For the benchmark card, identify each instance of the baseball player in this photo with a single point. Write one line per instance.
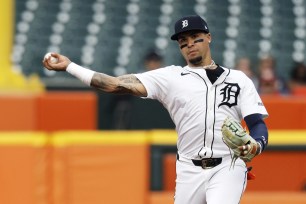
(205, 102)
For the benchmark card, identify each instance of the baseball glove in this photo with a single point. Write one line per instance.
(237, 139)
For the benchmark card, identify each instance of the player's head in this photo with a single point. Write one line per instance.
(189, 23)
(193, 37)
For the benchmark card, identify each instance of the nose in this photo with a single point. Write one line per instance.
(190, 42)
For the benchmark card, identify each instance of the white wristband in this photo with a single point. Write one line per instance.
(83, 74)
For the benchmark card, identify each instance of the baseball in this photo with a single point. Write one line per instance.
(53, 60)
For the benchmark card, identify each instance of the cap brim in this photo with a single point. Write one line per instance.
(174, 37)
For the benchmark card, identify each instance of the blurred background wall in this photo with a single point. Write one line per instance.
(62, 142)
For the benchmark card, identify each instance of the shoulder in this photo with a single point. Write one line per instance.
(171, 68)
(163, 71)
(236, 74)
(161, 74)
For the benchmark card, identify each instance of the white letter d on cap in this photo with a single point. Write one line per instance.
(184, 23)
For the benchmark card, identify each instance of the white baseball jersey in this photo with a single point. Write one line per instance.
(198, 108)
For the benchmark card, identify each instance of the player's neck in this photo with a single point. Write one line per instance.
(212, 65)
(205, 64)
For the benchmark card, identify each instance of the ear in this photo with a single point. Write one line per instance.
(208, 35)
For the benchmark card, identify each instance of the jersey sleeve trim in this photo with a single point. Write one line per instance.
(140, 78)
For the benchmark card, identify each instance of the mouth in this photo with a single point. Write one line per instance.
(192, 52)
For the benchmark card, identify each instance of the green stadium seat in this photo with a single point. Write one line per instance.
(144, 39)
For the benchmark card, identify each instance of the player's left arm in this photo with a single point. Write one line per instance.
(259, 131)
(254, 112)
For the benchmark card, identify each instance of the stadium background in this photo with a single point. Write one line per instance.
(57, 139)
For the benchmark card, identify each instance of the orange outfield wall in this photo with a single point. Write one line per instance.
(18, 112)
(53, 111)
(74, 167)
(49, 111)
(285, 112)
(100, 167)
(66, 111)
(23, 167)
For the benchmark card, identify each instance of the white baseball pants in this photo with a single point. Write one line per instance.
(219, 185)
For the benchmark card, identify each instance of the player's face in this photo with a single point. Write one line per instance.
(194, 47)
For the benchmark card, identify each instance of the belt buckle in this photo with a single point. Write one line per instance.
(206, 162)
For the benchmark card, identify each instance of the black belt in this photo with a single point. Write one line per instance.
(207, 163)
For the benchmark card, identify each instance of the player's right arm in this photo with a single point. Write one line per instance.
(125, 84)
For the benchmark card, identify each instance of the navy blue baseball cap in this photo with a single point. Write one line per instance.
(189, 23)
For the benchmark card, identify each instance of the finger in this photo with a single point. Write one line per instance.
(56, 55)
(46, 60)
(60, 66)
(248, 147)
(244, 150)
(46, 65)
(245, 147)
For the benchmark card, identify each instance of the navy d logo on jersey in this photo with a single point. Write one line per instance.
(230, 94)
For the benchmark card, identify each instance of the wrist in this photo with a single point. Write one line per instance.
(69, 63)
(259, 148)
(83, 74)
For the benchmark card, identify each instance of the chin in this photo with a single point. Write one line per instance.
(195, 60)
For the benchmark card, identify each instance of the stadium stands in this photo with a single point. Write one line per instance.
(112, 36)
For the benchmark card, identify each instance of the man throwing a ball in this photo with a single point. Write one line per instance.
(206, 102)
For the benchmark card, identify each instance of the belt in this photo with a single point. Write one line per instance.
(206, 163)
